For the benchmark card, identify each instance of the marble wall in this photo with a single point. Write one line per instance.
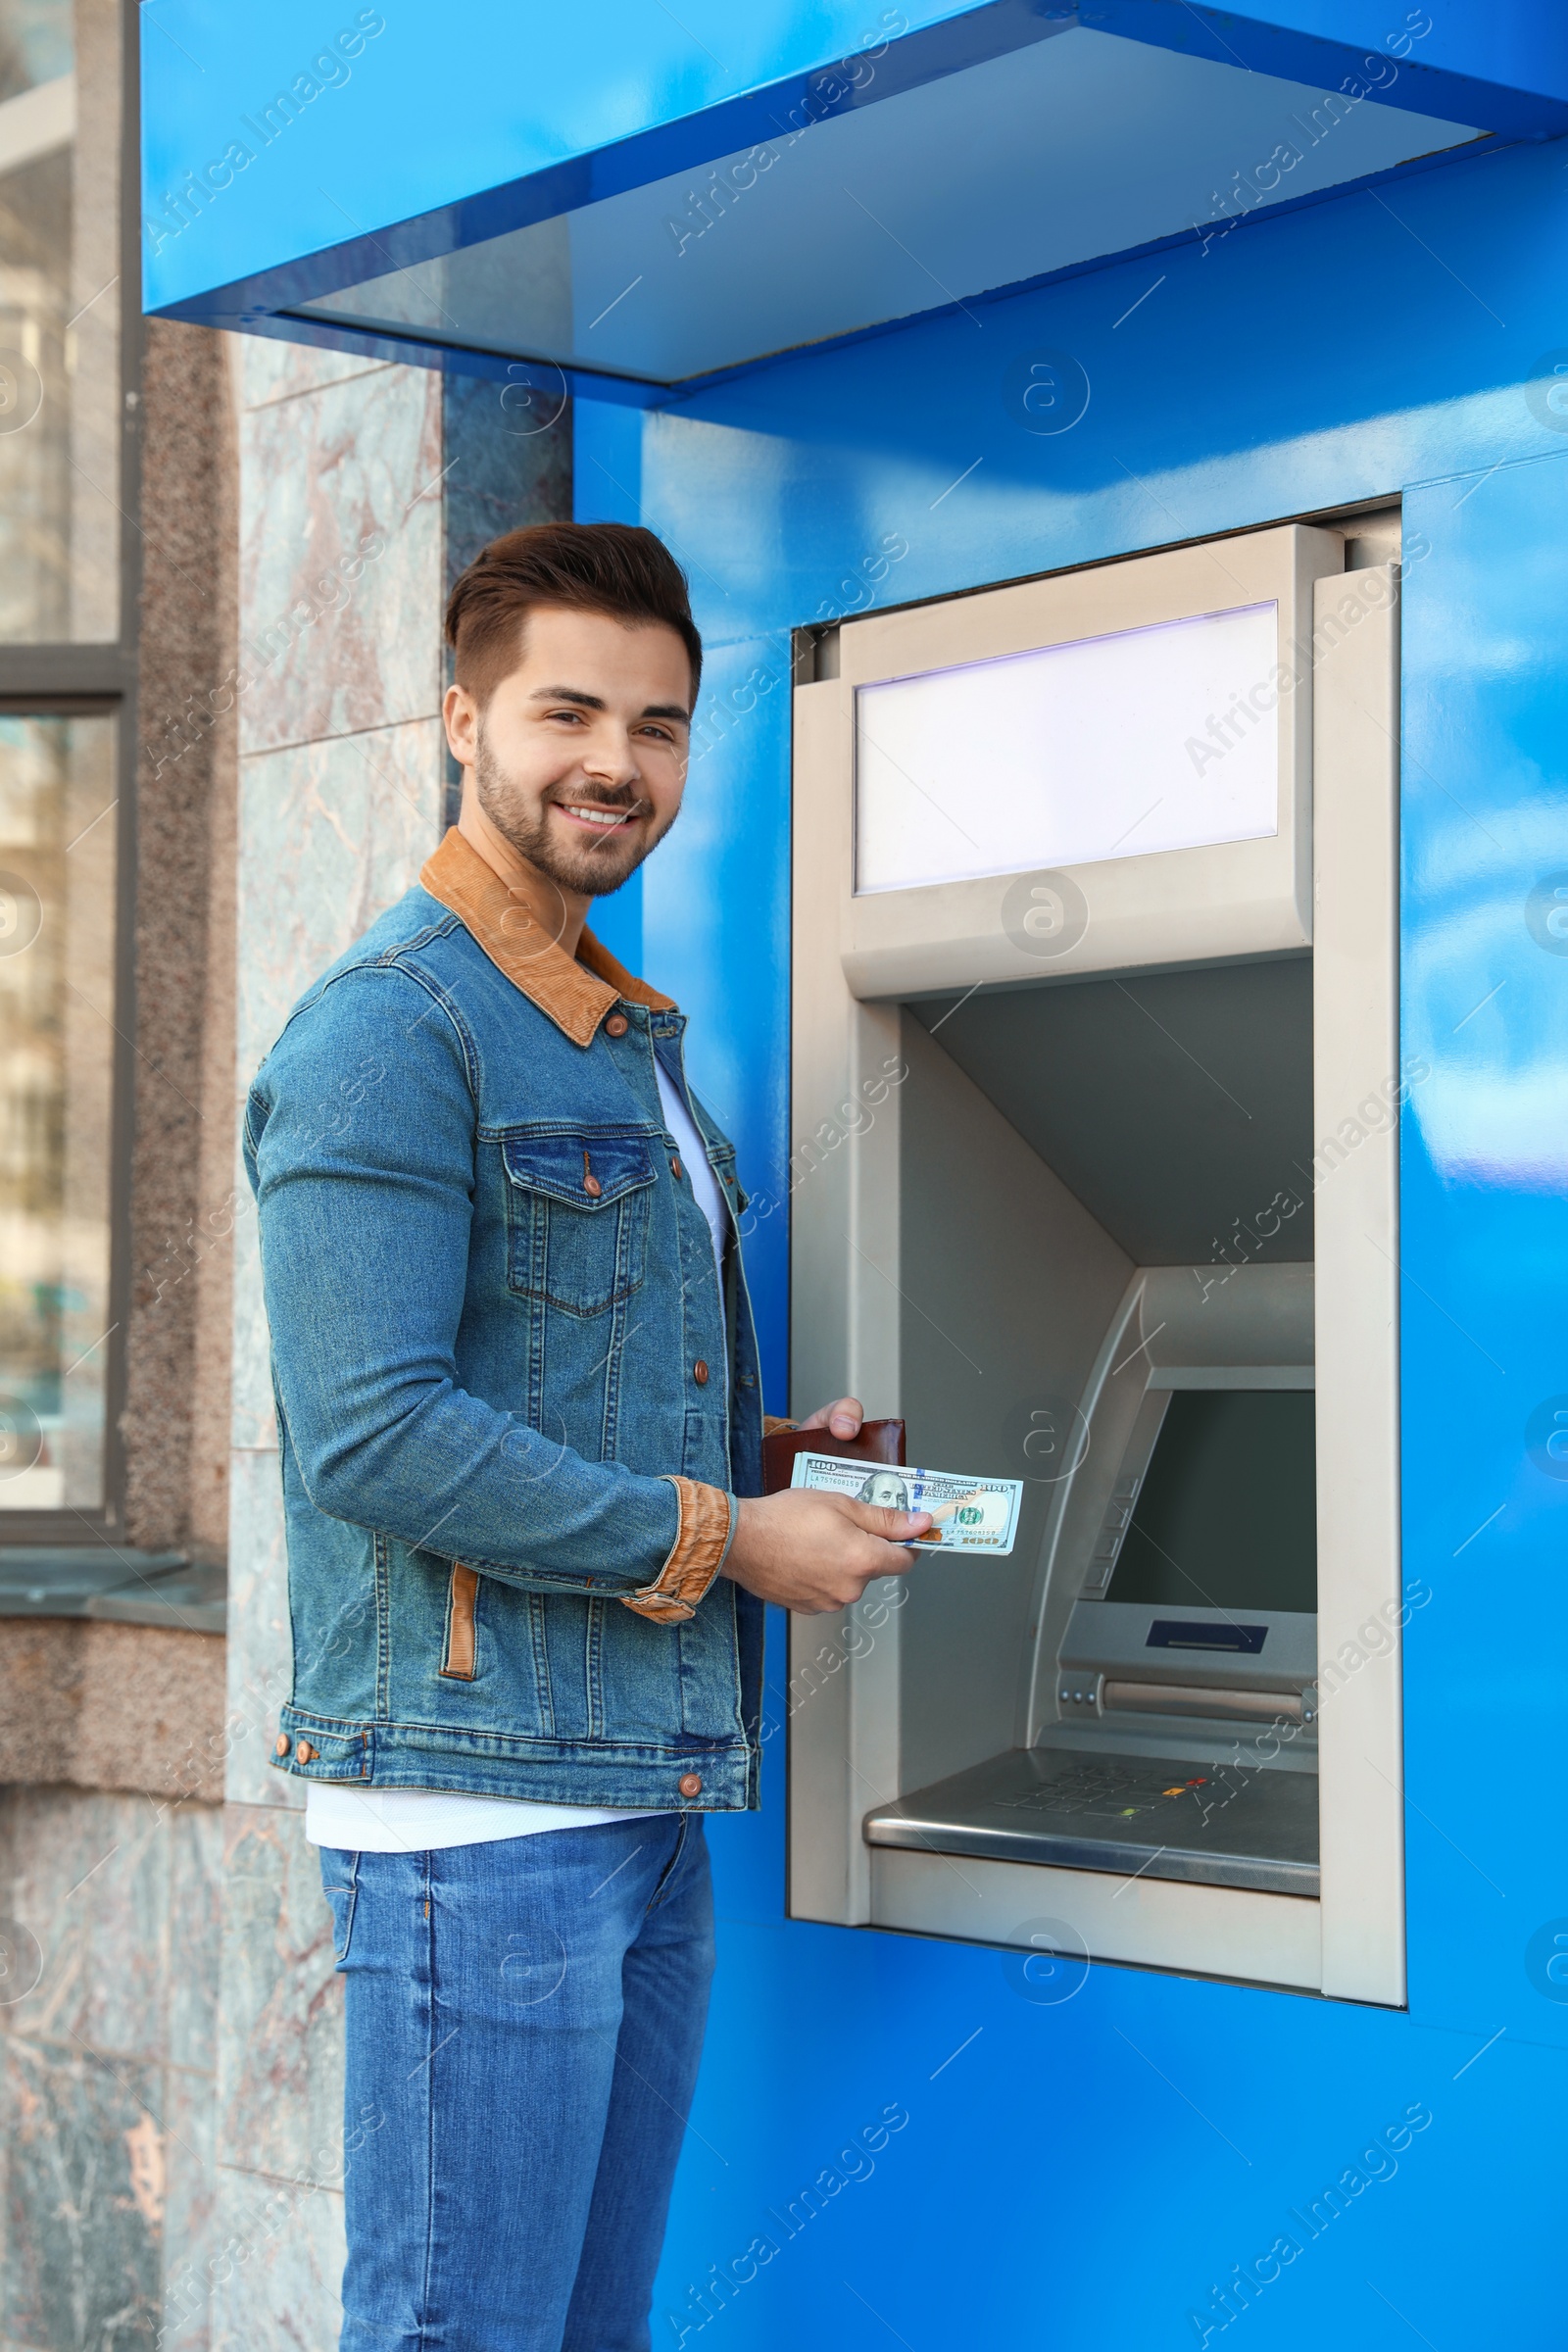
(341, 798)
(109, 1975)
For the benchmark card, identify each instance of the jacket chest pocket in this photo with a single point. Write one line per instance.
(577, 1212)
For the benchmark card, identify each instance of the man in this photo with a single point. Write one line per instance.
(519, 1419)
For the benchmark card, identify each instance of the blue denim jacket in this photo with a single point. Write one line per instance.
(510, 1448)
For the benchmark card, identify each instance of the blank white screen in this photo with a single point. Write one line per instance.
(1070, 754)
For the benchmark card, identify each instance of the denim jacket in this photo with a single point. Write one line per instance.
(510, 1449)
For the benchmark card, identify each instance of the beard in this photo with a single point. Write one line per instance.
(593, 869)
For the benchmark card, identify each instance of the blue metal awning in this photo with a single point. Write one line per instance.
(633, 205)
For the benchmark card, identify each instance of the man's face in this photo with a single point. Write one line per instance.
(579, 757)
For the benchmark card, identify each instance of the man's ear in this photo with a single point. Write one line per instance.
(460, 715)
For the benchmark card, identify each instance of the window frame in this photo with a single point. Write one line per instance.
(54, 680)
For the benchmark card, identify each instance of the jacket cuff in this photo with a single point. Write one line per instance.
(702, 1538)
(774, 1421)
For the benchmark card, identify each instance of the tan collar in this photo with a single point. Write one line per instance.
(576, 992)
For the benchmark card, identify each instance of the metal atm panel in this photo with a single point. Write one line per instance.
(1172, 1727)
(1218, 1825)
(991, 1719)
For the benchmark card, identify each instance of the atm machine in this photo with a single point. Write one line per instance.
(1095, 1086)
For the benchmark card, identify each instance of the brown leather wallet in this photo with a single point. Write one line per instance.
(878, 1442)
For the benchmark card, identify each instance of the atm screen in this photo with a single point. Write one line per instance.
(1227, 1514)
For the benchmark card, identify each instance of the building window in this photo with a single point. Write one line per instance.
(59, 309)
(57, 1074)
(68, 289)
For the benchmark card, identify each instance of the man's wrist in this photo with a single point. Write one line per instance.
(704, 1533)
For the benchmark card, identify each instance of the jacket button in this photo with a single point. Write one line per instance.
(691, 1783)
(616, 1025)
(304, 1753)
(592, 1187)
(280, 1744)
(674, 1169)
(700, 1373)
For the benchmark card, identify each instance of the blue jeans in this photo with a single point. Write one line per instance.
(525, 2021)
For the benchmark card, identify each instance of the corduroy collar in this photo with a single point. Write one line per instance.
(575, 992)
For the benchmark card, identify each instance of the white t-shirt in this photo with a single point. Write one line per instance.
(401, 1821)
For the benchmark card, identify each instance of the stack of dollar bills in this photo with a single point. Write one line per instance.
(967, 1514)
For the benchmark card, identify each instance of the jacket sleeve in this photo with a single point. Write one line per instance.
(360, 1140)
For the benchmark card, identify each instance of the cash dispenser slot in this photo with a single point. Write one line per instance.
(1179, 1698)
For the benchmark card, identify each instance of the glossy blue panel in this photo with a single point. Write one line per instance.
(1517, 48)
(1088, 2173)
(1329, 356)
(1485, 1191)
(1499, 53)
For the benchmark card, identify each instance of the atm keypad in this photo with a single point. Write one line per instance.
(1116, 1791)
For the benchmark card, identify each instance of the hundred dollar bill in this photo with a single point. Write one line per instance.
(968, 1515)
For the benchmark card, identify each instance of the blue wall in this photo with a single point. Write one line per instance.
(1088, 2167)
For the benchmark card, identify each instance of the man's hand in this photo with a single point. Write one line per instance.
(813, 1551)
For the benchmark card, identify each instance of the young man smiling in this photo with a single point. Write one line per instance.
(519, 1419)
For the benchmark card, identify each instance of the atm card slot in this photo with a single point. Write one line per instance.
(1186, 1632)
(1162, 1817)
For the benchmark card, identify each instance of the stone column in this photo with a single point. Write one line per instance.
(341, 792)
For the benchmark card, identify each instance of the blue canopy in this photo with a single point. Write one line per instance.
(636, 204)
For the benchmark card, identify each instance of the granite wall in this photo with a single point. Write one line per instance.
(178, 1332)
(105, 1706)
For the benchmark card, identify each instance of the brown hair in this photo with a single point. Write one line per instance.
(612, 567)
